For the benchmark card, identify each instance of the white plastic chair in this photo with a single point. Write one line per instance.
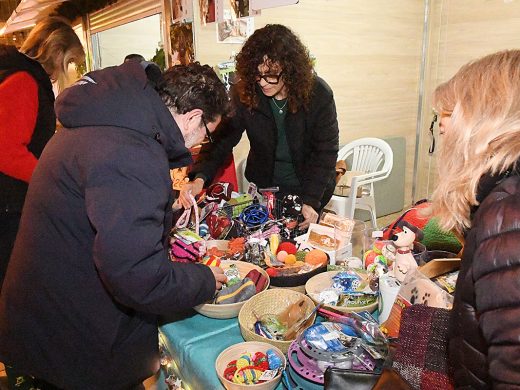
(375, 158)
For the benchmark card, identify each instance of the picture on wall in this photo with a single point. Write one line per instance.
(207, 11)
(231, 28)
(240, 8)
(181, 40)
(261, 4)
(182, 10)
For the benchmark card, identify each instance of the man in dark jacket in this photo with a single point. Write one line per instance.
(289, 115)
(90, 271)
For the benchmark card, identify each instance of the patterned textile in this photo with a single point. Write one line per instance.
(422, 352)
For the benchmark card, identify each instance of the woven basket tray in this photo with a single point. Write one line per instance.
(273, 301)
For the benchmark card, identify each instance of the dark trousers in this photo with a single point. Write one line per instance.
(9, 223)
(19, 381)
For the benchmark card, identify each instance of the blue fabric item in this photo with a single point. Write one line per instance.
(195, 341)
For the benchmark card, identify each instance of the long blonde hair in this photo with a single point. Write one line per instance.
(54, 44)
(483, 135)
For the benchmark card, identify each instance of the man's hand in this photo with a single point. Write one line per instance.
(194, 187)
(310, 216)
(220, 278)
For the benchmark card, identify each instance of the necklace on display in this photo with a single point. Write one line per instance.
(280, 109)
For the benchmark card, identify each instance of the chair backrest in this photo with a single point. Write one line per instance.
(243, 183)
(369, 155)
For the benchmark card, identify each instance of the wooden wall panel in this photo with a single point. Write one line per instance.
(369, 51)
(461, 31)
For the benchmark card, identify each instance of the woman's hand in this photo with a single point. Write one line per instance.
(194, 187)
(220, 278)
(310, 216)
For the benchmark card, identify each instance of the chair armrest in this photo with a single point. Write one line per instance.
(368, 178)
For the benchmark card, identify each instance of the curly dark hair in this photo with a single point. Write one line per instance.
(187, 87)
(280, 45)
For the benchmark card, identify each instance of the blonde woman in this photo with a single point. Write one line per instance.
(27, 119)
(478, 196)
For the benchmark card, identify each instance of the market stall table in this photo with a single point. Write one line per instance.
(194, 342)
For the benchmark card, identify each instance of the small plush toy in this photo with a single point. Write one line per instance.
(404, 260)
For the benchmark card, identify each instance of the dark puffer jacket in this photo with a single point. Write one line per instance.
(485, 323)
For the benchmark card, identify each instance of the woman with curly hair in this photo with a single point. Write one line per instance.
(479, 197)
(289, 115)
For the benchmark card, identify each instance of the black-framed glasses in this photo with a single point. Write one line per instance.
(208, 134)
(269, 78)
(431, 149)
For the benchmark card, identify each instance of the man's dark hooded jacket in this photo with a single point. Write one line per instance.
(90, 273)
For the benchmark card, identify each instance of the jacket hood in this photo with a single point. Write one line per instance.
(122, 96)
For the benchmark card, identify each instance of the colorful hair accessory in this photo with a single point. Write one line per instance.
(254, 215)
(230, 370)
(247, 375)
(203, 229)
(274, 360)
(260, 361)
(212, 261)
(219, 191)
(270, 200)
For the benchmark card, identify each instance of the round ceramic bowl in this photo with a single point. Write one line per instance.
(234, 352)
(320, 282)
(272, 301)
(230, 310)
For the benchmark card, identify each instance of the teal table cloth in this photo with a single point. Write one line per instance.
(194, 342)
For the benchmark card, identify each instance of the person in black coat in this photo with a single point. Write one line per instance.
(27, 119)
(90, 272)
(289, 115)
(478, 196)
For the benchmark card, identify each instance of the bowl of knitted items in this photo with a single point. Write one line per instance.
(228, 303)
(250, 365)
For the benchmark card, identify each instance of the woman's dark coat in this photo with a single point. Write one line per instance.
(485, 324)
(312, 136)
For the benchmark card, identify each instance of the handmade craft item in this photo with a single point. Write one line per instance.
(404, 260)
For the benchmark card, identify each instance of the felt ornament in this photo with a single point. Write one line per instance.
(290, 259)
(288, 247)
(281, 256)
(300, 255)
(272, 272)
(316, 257)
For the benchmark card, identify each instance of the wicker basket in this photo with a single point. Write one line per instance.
(273, 301)
(234, 352)
(230, 310)
(320, 282)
